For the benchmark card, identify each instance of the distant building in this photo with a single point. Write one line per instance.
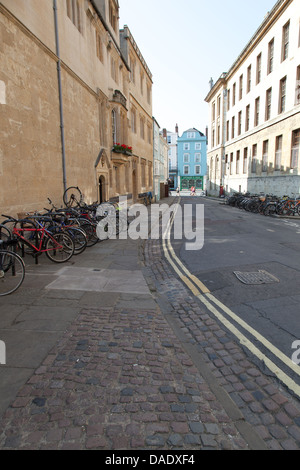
(254, 128)
(172, 155)
(160, 161)
(192, 160)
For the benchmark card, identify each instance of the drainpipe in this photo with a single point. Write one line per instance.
(60, 97)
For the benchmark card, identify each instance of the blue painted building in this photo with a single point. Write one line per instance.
(192, 165)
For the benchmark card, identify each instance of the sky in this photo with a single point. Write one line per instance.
(185, 44)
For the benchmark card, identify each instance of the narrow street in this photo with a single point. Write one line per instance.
(238, 241)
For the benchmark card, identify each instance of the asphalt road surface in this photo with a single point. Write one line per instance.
(248, 276)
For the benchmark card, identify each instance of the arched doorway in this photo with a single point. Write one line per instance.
(102, 189)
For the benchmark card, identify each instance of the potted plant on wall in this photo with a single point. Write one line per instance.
(122, 148)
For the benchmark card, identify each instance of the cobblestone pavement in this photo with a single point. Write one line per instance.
(265, 406)
(118, 379)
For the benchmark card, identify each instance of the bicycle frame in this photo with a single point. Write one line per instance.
(45, 234)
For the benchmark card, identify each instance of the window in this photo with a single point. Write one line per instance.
(227, 130)
(219, 105)
(245, 161)
(74, 13)
(186, 146)
(254, 158)
(142, 127)
(142, 82)
(191, 135)
(237, 162)
(197, 170)
(148, 93)
(114, 126)
(285, 41)
(186, 158)
(198, 146)
(271, 56)
(133, 120)
(247, 120)
(113, 16)
(249, 79)
(256, 113)
(265, 155)
(231, 163)
(232, 127)
(99, 47)
(213, 116)
(295, 148)
(228, 100)
(197, 157)
(297, 90)
(233, 94)
(278, 152)
(226, 164)
(241, 87)
(132, 69)
(282, 95)
(240, 123)
(258, 69)
(113, 68)
(186, 169)
(149, 133)
(268, 104)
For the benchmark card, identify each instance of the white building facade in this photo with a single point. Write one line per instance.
(172, 138)
(254, 130)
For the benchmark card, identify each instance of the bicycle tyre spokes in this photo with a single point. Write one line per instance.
(12, 272)
(59, 247)
(72, 197)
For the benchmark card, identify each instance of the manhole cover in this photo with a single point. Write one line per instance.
(260, 277)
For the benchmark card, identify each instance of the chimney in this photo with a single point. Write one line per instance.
(176, 128)
(164, 133)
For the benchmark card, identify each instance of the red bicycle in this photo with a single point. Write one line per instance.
(58, 246)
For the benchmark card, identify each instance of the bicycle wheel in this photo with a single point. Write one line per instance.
(60, 247)
(72, 197)
(90, 231)
(12, 272)
(5, 233)
(79, 239)
(108, 228)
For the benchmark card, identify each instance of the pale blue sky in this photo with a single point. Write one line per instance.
(186, 43)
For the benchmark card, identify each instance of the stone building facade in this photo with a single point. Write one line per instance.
(71, 87)
(254, 108)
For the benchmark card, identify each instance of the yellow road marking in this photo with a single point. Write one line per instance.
(205, 296)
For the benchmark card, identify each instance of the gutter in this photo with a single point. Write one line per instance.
(60, 97)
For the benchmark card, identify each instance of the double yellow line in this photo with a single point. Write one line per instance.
(218, 309)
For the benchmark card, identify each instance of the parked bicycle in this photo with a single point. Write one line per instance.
(31, 232)
(265, 204)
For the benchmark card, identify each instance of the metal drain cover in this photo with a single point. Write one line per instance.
(260, 277)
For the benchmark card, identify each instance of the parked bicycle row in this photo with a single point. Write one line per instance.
(60, 233)
(265, 204)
